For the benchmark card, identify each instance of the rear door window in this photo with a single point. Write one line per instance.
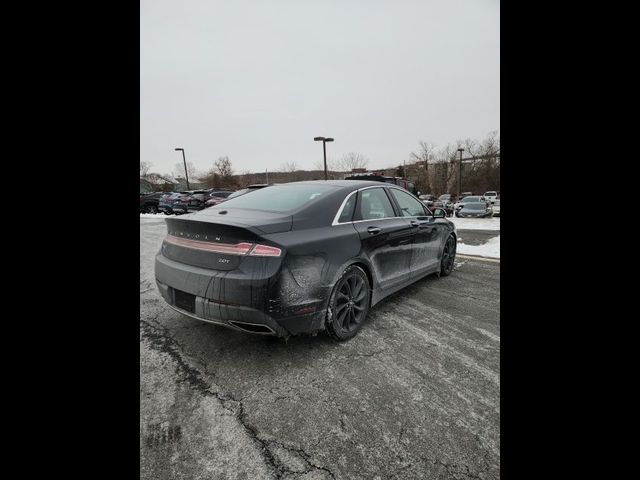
(374, 204)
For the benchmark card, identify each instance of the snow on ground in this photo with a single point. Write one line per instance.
(153, 215)
(492, 223)
(490, 249)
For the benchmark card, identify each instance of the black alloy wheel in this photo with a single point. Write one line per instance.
(349, 304)
(448, 256)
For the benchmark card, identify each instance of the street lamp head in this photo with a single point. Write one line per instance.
(318, 139)
(179, 149)
(461, 149)
(328, 139)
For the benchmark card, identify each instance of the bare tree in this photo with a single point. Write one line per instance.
(179, 170)
(144, 168)
(332, 164)
(290, 171)
(247, 178)
(289, 167)
(353, 160)
(223, 167)
(424, 155)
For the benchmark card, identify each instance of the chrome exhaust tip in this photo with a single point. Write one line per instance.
(257, 328)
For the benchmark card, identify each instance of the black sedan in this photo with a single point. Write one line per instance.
(301, 257)
(475, 209)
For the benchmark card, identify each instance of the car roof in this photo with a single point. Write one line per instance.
(345, 184)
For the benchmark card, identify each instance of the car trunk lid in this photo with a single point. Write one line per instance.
(222, 243)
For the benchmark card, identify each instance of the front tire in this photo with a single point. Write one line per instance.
(448, 256)
(151, 208)
(348, 304)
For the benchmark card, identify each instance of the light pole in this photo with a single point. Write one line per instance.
(324, 141)
(185, 165)
(460, 174)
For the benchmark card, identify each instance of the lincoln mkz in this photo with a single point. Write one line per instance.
(301, 257)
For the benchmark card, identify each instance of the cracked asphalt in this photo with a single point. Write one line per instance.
(416, 394)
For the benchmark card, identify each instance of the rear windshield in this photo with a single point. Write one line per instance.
(238, 193)
(471, 199)
(279, 198)
(476, 206)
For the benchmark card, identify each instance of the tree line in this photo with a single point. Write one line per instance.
(433, 170)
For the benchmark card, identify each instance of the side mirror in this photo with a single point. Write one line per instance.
(439, 213)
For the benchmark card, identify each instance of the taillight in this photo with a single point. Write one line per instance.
(265, 251)
(242, 248)
(237, 249)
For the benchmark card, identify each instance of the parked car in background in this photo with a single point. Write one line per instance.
(217, 196)
(149, 202)
(475, 209)
(465, 194)
(447, 207)
(167, 200)
(491, 196)
(448, 198)
(468, 199)
(426, 196)
(196, 200)
(182, 204)
(496, 208)
(428, 200)
(301, 257)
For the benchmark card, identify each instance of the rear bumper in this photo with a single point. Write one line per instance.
(205, 284)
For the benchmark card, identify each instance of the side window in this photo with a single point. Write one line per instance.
(409, 206)
(374, 203)
(347, 211)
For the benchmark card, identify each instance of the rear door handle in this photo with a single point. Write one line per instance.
(374, 230)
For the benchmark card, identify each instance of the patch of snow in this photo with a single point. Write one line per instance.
(153, 215)
(490, 249)
(492, 223)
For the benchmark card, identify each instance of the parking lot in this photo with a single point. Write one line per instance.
(416, 394)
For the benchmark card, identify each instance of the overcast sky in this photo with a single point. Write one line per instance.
(257, 80)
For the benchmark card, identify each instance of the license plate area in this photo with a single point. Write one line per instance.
(184, 300)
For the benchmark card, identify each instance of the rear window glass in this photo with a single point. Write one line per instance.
(238, 193)
(347, 211)
(279, 198)
(471, 199)
(476, 206)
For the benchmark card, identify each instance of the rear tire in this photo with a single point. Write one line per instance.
(348, 304)
(448, 256)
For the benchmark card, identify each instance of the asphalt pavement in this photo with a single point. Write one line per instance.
(416, 394)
